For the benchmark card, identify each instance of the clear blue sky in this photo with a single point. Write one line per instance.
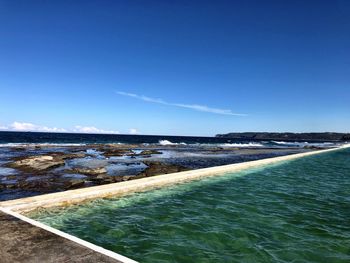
(175, 67)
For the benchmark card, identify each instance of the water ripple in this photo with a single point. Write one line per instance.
(298, 211)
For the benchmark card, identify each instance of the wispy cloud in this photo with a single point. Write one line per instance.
(133, 131)
(195, 107)
(92, 129)
(27, 126)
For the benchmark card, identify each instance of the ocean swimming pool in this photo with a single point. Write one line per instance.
(293, 211)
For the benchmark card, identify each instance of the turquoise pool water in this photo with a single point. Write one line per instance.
(297, 211)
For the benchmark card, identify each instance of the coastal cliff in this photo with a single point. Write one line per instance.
(287, 136)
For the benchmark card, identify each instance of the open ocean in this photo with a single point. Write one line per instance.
(42, 137)
(13, 138)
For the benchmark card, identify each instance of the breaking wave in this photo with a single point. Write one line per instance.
(302, 144)
(39, 144)
(166, 142)
(250, 144)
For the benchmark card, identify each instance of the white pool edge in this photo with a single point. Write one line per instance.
(8, 207)
(77, 240)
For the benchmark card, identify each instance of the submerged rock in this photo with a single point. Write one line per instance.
(7, 171)
(74, 176)
(74, 183)
(67, 156)
(90, 171)
(312, 147)
(18, 148)
(108, 152)
(127, 177)
(157, 168)
(149, 152)
(102, 177)
(105, 179)
(9, 185)
(45, 185)
(144, 153)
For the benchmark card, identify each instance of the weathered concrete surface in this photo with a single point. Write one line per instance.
(23, 242)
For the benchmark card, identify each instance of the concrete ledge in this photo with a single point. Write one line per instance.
(28, 241)
(123, 188)
(25, 240)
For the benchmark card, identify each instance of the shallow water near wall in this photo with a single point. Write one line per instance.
(294, 211)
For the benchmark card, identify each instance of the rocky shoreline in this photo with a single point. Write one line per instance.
(45, 168)
(288, 136)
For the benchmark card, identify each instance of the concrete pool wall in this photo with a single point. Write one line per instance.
(143, 184)
(15, 208)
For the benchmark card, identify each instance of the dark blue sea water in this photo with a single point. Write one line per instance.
(42, 137)
(77, 138)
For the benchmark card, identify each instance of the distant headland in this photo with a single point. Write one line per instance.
(288, 136)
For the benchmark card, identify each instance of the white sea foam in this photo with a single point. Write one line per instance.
(39, 144)
(166, 142)
(250, 144)
(302, 144)
(290, 143)
(277, 142)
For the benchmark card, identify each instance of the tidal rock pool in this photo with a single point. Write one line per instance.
(45, 168)
(296, 211)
